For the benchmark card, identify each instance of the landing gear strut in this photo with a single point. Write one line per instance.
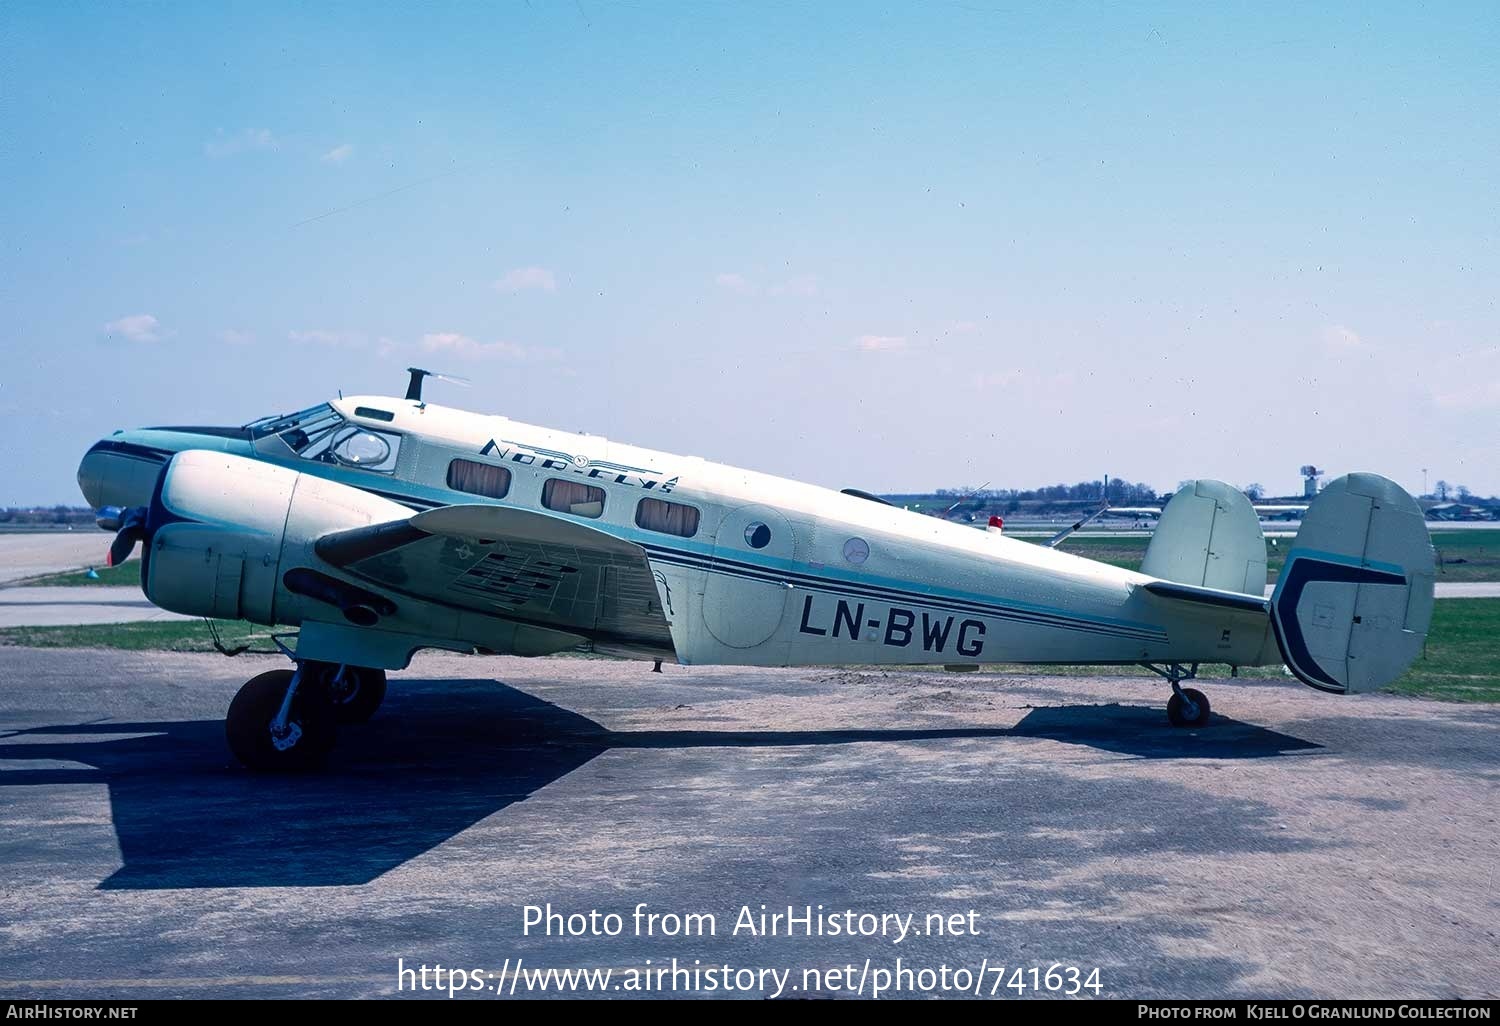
(288, 719)
(1188, 707)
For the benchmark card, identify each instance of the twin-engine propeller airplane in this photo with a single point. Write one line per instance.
(380, 526)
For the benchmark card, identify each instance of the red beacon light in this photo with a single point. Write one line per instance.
(996, 524)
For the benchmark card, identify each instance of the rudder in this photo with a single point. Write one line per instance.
(1354, 599)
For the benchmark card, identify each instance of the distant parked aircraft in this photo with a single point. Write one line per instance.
(1265, 511)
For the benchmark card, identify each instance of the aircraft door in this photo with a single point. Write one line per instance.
(743, 600)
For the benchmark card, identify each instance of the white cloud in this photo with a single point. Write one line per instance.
(338, 154)
(1337, 336)
(736, 283)
(234, 337)
(880, 343)
(324, 337)
(467, 348)
(523, 279)
(224, 145)
(136, 328)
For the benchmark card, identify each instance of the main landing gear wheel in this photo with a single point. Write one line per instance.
(355, 691)
(265, 736)
(1188, 707)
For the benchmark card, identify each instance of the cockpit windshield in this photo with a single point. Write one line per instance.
(320, 417)
(322, 434)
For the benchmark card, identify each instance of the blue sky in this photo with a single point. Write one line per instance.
(888, 246)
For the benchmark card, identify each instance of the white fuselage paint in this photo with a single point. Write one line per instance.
(929, 591)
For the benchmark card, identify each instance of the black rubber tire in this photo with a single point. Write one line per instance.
(247, 726)
(1177, 709)
(358, 703)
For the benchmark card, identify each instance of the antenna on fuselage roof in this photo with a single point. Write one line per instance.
(972, 495)
(414, 387)
(1063, 535)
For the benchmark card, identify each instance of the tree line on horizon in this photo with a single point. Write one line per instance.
(1125, 493)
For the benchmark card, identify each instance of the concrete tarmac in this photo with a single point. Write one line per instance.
(84, 604)
(1300, 846)
(26, 554)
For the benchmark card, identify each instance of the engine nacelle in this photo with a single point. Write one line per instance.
(232, 538)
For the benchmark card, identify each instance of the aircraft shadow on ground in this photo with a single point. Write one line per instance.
(441, 756)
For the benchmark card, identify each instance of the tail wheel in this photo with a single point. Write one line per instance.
(355, 694)
(310, 725)
(1188, 708)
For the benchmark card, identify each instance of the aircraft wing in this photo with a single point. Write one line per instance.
(515, 564)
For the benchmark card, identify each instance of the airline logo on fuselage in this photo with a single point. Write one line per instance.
(547, 459)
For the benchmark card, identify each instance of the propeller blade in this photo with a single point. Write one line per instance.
(121, 548)
(132, 529)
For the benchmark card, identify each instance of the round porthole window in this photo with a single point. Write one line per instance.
(856, 550)
(361, 449)
(758, 535)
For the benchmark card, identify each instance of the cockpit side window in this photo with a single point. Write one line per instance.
(354, 446)
(321, 433)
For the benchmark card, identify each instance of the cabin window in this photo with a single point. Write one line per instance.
(374, 414)
(575, 497)
(757, 535)
(667, 517)
(478, 478)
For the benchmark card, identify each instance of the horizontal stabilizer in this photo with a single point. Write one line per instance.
(1209, 596)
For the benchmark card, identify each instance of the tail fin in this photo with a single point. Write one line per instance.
(1353, 601)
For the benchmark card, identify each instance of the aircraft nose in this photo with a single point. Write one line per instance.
(118, 472)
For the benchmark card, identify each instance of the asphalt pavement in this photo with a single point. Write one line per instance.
(1301, 845)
